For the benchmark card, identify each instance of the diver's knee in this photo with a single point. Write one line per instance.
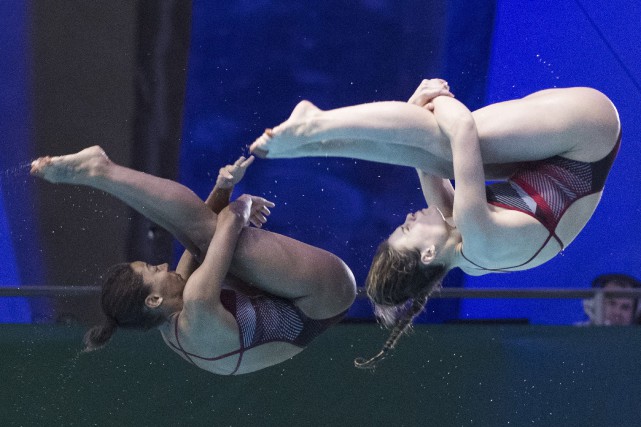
(342, 292)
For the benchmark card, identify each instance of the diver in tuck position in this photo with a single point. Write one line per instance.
(553, 149)
(241, 298)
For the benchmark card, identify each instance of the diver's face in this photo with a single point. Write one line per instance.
(160, 279)
(421, 230)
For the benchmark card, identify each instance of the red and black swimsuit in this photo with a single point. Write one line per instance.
(545, 189)
(262, 319)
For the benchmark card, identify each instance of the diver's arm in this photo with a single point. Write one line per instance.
(205, 283)
(471, 212)
(218, 199)
(438, 192)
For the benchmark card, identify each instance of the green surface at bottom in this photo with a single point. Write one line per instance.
(455, 375)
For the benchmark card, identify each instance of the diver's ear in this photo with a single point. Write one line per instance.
(153, 301)
(428, 254)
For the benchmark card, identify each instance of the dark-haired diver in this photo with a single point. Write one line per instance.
(553, 150)
(241, 298)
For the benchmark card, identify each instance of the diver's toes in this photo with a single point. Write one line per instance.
(38, 164)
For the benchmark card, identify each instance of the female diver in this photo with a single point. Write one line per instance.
(241, 298)
(552, 150)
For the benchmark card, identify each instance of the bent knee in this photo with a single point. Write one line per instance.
(601, 118)
(588, 116)
(332, 295)
(343, 290)
(608, 114)
(597, 108)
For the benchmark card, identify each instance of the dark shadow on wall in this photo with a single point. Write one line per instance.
(163, 30)
(113, 74)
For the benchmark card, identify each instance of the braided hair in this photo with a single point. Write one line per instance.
(397, 277)
(402, 326)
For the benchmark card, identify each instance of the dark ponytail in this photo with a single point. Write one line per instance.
(123, 303)
(98, 336)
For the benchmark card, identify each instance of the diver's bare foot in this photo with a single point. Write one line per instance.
(76, 168)
(283, 140)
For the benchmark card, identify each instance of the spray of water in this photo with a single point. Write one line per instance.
(17, 171)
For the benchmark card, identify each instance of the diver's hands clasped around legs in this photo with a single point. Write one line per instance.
(259, 210)
(427, 91)
(76, 168)
(253, 209)
(283, 140)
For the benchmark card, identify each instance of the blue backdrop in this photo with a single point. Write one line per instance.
(17, 224)
(561, 43)
(251, 62)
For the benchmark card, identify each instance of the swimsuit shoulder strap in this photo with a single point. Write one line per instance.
(509, 269)
(178, 347)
